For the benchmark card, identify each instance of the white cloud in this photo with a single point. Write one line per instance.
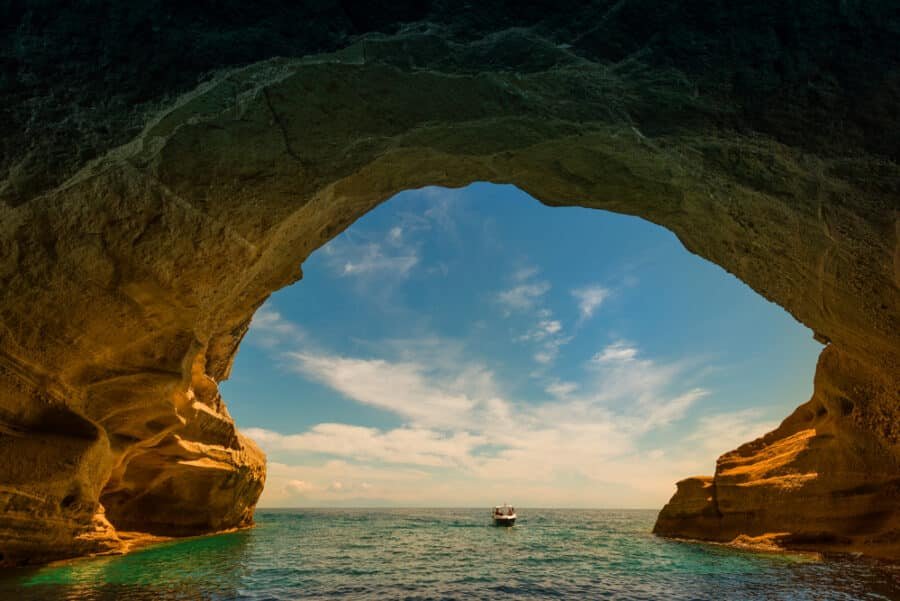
(561, 389)
(566, 455)
(398, 387)
(412, 446)
(270, 329)
(358, 484)
(589, 299)
(393, 485)
(586, 437)
(370, 259)
(544, 357)
(549, 349)
(616, 352)
(455, 436)
(523, 296)
(439, 194)
(543, 329)
(463, 438)
(550, 326)
(441, 210)
(621, 376)
(298, 487)
(722, 432)
(383, 257)
(667, 410)
(527, 296)
(525, 273)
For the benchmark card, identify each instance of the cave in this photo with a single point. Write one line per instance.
(152, 198)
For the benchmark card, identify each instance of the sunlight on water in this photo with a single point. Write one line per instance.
(445, 553)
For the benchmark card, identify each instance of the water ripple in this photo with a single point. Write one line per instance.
(452, 554)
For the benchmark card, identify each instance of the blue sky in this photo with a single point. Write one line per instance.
(470, 347)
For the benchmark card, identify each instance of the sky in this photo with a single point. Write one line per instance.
(469, 347)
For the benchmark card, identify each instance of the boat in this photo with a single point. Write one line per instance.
(504, 515)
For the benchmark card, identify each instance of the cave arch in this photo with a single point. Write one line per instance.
(127, 288)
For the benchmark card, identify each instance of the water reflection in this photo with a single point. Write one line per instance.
(453, 553)
(201, 568)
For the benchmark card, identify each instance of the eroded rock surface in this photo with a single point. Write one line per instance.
(825, 479)
(128, 280)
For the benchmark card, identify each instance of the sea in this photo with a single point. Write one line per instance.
(452, 554)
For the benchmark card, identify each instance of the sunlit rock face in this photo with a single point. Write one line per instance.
(824, 479)
(145, 215)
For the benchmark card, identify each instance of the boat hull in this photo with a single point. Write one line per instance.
(504, 521)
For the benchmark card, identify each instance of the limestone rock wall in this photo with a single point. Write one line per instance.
(827, 478)
(128, 280)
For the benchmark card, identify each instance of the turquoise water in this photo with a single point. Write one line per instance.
(452, 554)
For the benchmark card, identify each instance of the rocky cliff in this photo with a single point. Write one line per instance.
(824, 480)
(163, 171)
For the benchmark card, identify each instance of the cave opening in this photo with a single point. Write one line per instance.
(165, 172)
(464, 347)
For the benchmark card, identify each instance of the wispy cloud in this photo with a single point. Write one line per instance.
(410, 446)
(298, 487)
(387, 255)
(523, 296)
(338, 482)
(369, 259)
(589, 299)
(544, 357)
(423, 394)
(461, 434)
(527, 297)
(616, 352)
(560, 389)
(543, 329)
(721, 432)
(270, 329)
(550, 348)
(622, 375)
(586, 435)
(525, 273)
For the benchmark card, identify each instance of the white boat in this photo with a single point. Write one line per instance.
(504, 515)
